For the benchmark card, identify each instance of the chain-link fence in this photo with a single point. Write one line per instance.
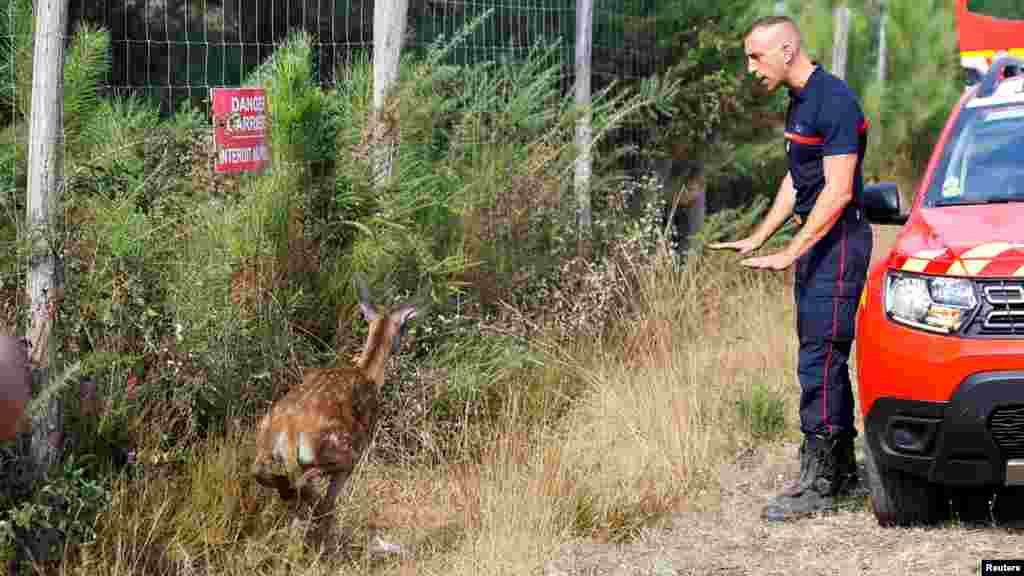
(213, 284)
(176, 49)
(169, 54)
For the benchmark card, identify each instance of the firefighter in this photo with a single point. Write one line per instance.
(825, 138)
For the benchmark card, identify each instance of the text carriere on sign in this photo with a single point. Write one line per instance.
(239, 119)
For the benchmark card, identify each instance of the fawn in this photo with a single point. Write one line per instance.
(320, 428)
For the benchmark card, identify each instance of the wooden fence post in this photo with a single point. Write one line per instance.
(388, 33)
(882, 49)
(841, 17)
(584, 129)
(45, 158)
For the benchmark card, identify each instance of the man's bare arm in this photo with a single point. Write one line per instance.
(833, 199)
(781, 210)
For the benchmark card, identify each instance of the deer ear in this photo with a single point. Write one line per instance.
(369, 310)
(408, 313)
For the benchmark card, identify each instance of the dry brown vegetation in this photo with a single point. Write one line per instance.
(653, 418)
(601, 421)
(652, 470)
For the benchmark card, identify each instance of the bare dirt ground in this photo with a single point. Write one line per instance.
(725, 534)
(729, 537)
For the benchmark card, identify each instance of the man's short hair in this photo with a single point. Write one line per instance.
(768, 21)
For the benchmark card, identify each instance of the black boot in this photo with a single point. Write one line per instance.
(849, 480)
(818, 485)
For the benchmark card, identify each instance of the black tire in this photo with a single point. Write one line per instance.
(902, 499)
(971, 505)
(1009, 505)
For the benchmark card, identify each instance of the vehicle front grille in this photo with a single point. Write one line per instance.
(1007, 427)
(1001, 314)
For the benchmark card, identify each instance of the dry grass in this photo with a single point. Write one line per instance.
(643, 441)
(729, 538)
(653, 428)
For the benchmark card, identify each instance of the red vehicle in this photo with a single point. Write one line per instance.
(940, 328)
(984, 38)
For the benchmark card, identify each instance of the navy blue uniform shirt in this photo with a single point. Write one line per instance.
(823, 119)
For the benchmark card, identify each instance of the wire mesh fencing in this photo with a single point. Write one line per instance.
(177, 49)
(215, 282)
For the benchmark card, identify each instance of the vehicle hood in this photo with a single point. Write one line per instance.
(972, 241)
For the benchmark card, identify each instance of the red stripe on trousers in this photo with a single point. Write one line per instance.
(835, 326)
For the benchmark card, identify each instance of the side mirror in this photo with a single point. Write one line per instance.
(881, 203)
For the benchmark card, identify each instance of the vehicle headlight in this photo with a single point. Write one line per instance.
(932, 303)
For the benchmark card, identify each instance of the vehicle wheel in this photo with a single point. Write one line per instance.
(902, 499)
(972, 505)
(1009, 506)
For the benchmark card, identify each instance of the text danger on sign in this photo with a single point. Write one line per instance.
(240, 122)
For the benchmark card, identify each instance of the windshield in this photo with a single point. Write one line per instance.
(984, 161)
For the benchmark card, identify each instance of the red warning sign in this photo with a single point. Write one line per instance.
(240, 119)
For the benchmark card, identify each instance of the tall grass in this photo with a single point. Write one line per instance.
(655, 411)
(548, 395)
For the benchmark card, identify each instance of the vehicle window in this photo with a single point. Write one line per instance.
(1012, 9)
(986, 161)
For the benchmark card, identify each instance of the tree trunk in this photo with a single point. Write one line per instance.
(685, 190)
(696, 210)
(44, 190)
(841, 17)
(584, 130)
(388, 32)
(882, 49)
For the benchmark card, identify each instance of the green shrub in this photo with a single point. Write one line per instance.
(301, 126)
(60, 512)
(764, 411)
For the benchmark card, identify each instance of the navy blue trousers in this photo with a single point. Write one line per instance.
(828, 283)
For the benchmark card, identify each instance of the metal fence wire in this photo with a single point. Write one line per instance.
(199, 288)
(171, 53)
(178, 49)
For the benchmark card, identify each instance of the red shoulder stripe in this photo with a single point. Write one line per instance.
(801, 139)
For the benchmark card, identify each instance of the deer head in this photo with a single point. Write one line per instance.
(386, 330)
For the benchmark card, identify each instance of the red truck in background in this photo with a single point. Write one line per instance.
(983, 38)
(940, 327)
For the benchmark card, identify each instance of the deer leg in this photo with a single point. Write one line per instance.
(336, 455)
(284, 488)
(323, 513)
(327, 504)
(306, 484)
(332, 490)
(378, 545)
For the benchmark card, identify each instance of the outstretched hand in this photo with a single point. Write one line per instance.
(778, 261)
(745, 246)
